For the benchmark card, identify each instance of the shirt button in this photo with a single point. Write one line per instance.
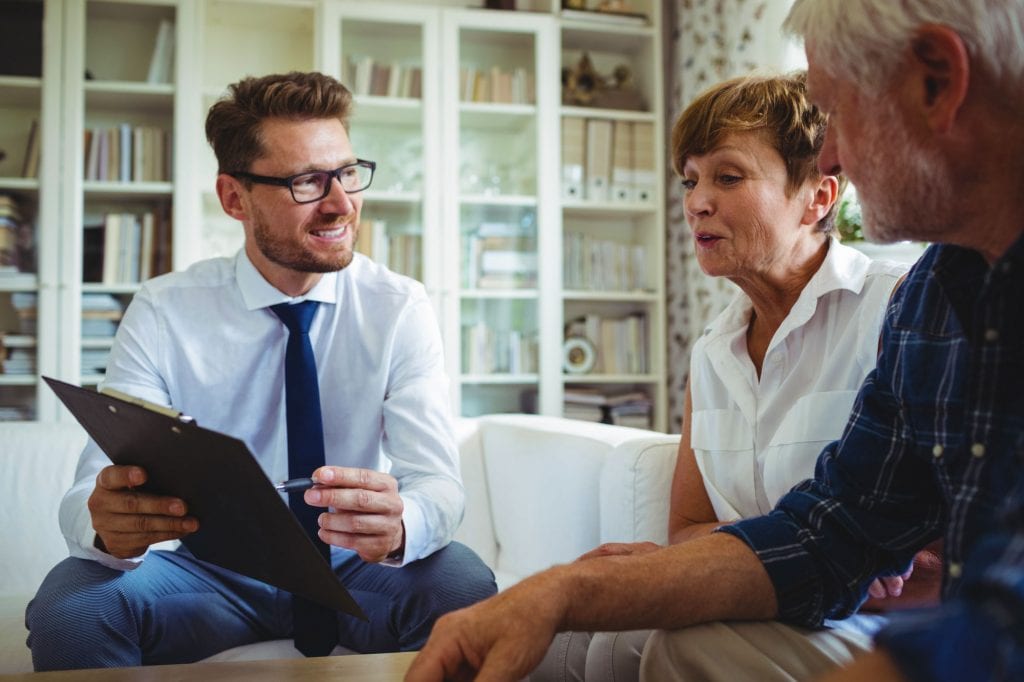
(955, 570)
(991, 335)
(937, 451)
(1006, 266)
(978, 450)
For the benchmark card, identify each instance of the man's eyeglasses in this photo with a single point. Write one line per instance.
(315, 185)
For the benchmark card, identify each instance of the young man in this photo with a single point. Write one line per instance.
(216, 342)
(925, 98)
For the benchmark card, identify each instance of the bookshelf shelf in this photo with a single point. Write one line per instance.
(388, 197)
(100, 342)
(611, 296)
(129, 96)
(498, 200)
(21, 281)
(499, 379)
(498, 294)
(609, 114)
(127, 190)
(585, 208)
(17, 380)
(611, 378)
(20, 91)
(19, 184)
(578, 34)
(18, 341)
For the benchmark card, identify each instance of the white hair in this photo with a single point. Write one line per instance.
(864, 40)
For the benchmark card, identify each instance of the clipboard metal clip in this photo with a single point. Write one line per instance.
(159, 409)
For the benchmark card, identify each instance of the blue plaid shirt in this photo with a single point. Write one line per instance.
(934, 448)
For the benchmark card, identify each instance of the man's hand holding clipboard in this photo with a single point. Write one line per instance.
(172, 479)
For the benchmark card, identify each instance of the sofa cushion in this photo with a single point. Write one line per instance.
(37, 461)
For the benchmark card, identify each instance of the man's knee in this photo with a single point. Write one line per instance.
(456, 577)
(79, 605)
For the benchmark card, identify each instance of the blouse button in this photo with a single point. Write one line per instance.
(991, 335)
(955, 570)
(978, 450)
(937, 451)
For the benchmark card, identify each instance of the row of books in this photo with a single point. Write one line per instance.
(489, 350)
(17, 361)
(501, 255)
(126, 248)
(101, 313)
(17, 242)
(366, 76)
(127, 153)
(620, 342)
(402, 252)
(497, 85)
(605, 160)
(603, 265)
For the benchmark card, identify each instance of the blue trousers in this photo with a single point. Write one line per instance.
(175, 608)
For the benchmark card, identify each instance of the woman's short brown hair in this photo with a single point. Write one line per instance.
(775, 105)
(233, 124)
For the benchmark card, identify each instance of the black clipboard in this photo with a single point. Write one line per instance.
(244, 525)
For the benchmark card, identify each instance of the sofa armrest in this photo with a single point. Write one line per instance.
(636, 481)
(543, 476)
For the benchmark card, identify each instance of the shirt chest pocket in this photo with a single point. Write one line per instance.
(818, 417)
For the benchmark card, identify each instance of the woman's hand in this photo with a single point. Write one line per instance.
(904, 591)
(620, 549)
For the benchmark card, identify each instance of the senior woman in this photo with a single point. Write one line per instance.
(773, 378)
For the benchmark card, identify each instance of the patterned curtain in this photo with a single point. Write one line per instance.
(709, 41)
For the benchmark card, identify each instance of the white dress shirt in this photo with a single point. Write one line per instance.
(205, 342)
(754, 439)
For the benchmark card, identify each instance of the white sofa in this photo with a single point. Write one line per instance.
(540, 491)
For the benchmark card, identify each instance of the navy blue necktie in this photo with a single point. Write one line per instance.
(316, 627)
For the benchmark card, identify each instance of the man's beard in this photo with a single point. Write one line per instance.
(286, 253)
(910, 195)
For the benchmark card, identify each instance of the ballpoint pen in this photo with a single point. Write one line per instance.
(295, 485)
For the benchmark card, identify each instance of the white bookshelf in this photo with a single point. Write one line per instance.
(449, 168)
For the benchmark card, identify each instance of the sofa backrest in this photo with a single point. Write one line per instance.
(37, 465)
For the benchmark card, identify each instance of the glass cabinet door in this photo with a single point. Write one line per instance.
(500, 228)
(126, 86)
(240, 38)
(387, 57)
(21, 103)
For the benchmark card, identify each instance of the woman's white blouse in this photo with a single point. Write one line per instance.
(756, 439)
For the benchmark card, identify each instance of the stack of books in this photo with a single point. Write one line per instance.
(501, 256)
(101, 314)
(628, 408)
(17, 257)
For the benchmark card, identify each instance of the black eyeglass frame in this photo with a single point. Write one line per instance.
(287, 182)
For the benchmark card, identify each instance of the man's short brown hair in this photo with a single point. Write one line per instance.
(233, 123)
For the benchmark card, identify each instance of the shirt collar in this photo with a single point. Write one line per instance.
(258, 293)
(843, 268)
